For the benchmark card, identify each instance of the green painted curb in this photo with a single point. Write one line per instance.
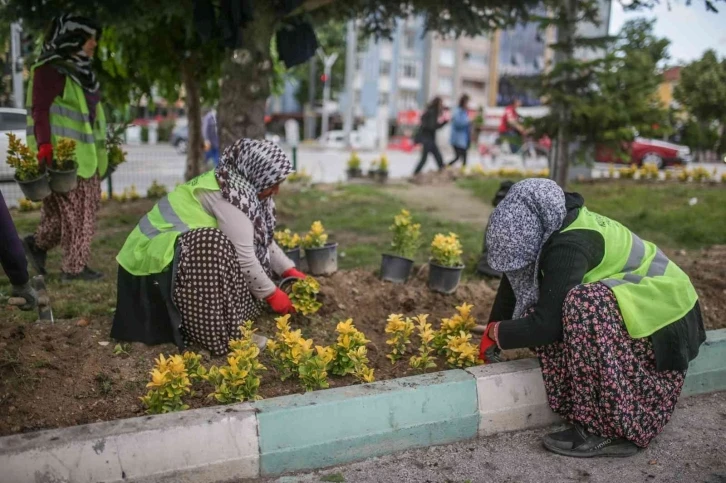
(336, 426)
(707, 372)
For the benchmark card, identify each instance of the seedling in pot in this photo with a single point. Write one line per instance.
(396, 267)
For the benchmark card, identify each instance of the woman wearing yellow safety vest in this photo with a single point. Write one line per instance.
(198, 265)
(64, 102)
(613, 321)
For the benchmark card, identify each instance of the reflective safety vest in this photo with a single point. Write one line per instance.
(69, 118)
(150, 247)
(651, 290)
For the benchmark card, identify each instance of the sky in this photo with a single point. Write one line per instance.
(691, 29)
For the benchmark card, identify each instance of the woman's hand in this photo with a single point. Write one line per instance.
(488, 349)
(45, 155)
(280, 303)
(293, 272)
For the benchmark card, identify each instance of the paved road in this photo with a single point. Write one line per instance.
(691, 449)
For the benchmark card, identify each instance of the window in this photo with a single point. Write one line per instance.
(385, 67)
(409, 69)
(409, 40)
(473, 85)
(476, 59)
(383, 98)
(407, 100)
(446, 85)
(446, 57)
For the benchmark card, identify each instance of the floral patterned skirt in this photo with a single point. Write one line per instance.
(600, 377)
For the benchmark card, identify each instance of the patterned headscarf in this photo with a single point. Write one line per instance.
(63, 48)
(247, 168)
(518, 229)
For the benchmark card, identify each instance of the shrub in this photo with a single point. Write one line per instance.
(316, 237)
(287, 239)
(313, 371)
(169, 383)
(238, 380)
(166, 126)
(64, 156)
(25, 205)
(400, 330)
(301, 177)
(462, 321)
(194, 367)
(446, 250)
(424, 360)
(288, 349)
(114, 140)
(701, 174)
(303, 296)
(628, 173)
(156, 191)
(351, 353)
(459, 352)
(144, 134)
(22, 158)
(406, 235)
(354, 161)
(383, 164)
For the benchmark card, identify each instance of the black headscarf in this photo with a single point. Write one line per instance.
(63, 48)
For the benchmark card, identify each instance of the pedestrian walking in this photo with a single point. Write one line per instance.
(64, 101)
(211, 137)
(426, 134)
(460, 138)
(613, 321)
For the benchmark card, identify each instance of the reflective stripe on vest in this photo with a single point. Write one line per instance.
(167, 212)
(657, 266)
(65, 132)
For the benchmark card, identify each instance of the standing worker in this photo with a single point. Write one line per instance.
(202, 261)
(12, 259)
(460, 137)
(64, 101)
(613, 321)
(426, 134)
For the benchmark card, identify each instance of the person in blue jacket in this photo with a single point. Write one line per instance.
(460, 131)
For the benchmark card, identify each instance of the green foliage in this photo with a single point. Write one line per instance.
(350, 353)
(313, 371)
(238, 380)
(425, 358)
(22, 158)
(156, 191)
(406, 235)
(304, 296)
(446, 250)
(169, 383)
(400, 329)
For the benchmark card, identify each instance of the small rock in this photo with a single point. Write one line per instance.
(11, 409)
(82, 323)
(682, 252)
(653, 462)
(104, 343)
(355, 291)
(341, 306)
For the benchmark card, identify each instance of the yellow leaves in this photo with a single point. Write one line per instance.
(64, 154)
(22, 158)
(478, 171)
(304, 296)
(316, 237)
(460, 352)
(287, 239)
(383, 163)
(158, 378)
(345, 328)
(326, 354)
(400, 330)
(283, 323)
(446, 250)
(465, 310)
(365, 374)
(169, 383)
(406, 235)
(354, 161)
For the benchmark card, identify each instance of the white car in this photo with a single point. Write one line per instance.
(11, 121)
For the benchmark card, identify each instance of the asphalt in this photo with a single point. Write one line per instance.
(692, 448)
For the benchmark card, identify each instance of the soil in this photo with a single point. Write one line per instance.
(67, 374)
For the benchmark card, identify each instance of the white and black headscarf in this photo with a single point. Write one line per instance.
(63, 48)
(518, 229)
(247, 168)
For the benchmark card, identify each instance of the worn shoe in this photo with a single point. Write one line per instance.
(579, 443)
(86, 275)
(25, 292)
(36, 256)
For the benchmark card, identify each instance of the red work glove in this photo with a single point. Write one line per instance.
(280, 303)
(45, 155)
(293, 272)
(488, 349)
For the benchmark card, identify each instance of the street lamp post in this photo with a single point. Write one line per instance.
(328, 61)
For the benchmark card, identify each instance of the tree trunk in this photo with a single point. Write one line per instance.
(246, 80)
(195, 150)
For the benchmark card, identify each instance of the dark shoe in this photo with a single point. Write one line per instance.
(86, 275)
(35, 255)
(577, 442)
(26, 293)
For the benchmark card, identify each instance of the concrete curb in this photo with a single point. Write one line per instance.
(307, 431)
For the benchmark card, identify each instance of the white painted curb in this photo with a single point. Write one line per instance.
(209, 444)
(511, 397)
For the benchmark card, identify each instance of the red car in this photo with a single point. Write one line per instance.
(648, 151)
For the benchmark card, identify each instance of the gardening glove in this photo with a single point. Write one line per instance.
(488, 350)
(45, 155)
(27, 293)
(280, 303)
(293, 272)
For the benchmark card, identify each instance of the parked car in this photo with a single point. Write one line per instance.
(648, 151)
(11, 121)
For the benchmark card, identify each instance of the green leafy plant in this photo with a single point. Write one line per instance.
(287, 240)
(446, 250)
(462, 321)
(193, 364)
(406, 235)
(122, 349)
(383, 164)
(316, 237)
(156, 191)
(400, 329)
(425, 359)
(22, 158)
(313, 371)
(288, 349)
(351, 353)
(64, 155)
(354, 161)
(114, 141)
(303, 296)
(460, 352)
(300, 177)
(169, 383)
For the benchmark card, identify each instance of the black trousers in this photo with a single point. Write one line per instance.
(460, 153)
(429, 146)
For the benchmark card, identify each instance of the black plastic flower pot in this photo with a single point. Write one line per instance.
(444, 279)
(322, 261)
(395, 269)
(382, 176)
(354, 173)
(294, 255)
(63, 181)
(35, 189)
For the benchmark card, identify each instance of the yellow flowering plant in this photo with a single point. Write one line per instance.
(461, 321)
(239, 379)
(193, 364)
(629, 172)
(425, 359)
(304, 296)
(301, 177)
(446, 250)
(700, 174)
(22, 158)
(156, 191)
(64, 155)
(406, 235)
(361, 371)
(287, 240)
(288, 349)
(313, 371)
(316, 237)
(460, 352)
(169, 383)
(400, 329)
(26, 205)
(354, 161)
(383, 164)
(349, 359)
